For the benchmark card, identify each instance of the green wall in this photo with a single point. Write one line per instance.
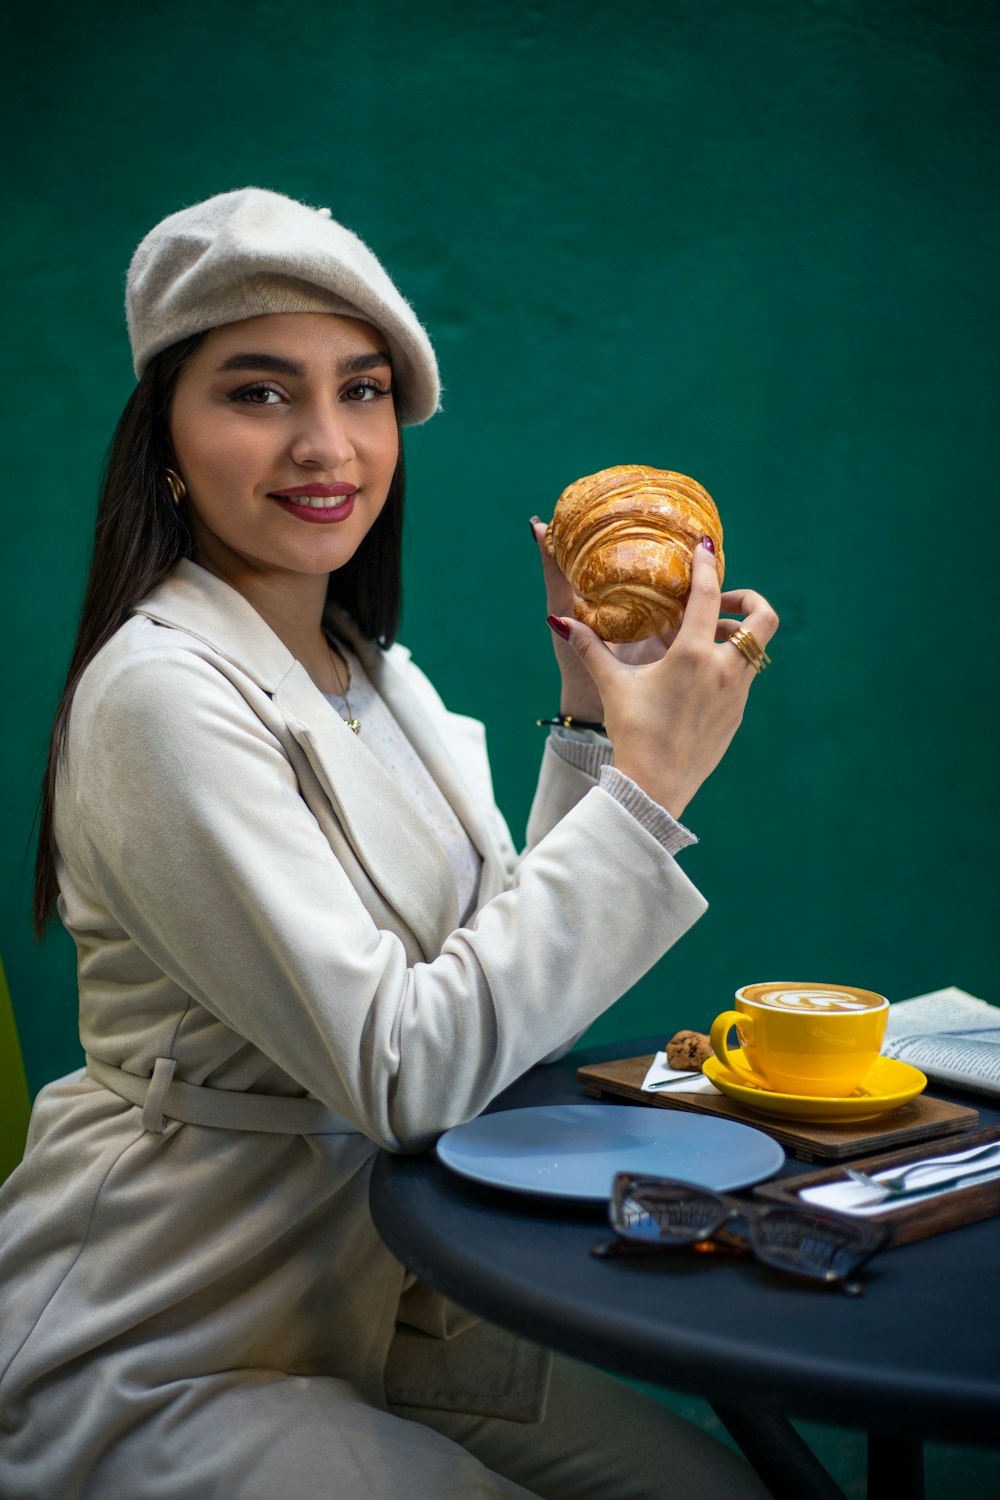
(753, 242)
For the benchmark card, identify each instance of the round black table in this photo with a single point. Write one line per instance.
(916, 1357)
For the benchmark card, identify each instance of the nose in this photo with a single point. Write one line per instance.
(322, 439)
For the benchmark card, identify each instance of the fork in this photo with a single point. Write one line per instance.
(897, 1183)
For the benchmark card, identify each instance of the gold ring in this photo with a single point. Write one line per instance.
(748, 645)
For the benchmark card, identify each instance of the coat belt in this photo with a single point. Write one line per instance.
(161, 1098)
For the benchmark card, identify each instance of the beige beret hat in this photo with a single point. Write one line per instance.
(241, 254)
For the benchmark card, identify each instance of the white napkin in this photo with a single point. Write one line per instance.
(661, 1078)
(849, 1197)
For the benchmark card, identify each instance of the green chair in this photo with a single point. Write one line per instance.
(15, 1103)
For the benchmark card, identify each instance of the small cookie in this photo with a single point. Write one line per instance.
(687, 1050)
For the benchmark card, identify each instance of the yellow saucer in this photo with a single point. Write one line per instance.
(886, 1086)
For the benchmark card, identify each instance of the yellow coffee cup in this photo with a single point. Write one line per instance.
(815, 1039)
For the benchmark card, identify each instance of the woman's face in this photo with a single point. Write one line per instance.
(285, 436)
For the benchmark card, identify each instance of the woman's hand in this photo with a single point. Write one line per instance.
(671, 719)
(580, 696)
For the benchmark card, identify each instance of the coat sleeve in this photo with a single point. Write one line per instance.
(184, 816)
(561, 786)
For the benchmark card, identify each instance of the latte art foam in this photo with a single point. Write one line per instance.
(810, 1000)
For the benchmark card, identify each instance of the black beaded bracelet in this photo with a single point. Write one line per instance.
(566, 721)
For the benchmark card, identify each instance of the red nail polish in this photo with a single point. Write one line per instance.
(708, 544)
(559, 626)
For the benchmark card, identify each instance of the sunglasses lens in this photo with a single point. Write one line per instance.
(810, 1244)
(664, 1213)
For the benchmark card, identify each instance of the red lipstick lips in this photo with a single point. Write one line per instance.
(301, 501)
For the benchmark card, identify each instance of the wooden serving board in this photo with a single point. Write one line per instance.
(919, 1219)
(922, 1119)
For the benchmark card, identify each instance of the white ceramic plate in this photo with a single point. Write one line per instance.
(574, 1150)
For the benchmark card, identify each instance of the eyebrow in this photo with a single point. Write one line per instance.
(277, 364)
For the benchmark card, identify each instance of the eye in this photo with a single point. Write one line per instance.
(366, 391)
(258, 395)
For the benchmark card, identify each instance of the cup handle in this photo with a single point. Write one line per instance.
(720, 1031)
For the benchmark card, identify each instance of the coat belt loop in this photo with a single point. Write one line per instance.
(153, 1117)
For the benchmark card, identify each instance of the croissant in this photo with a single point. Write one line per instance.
(624, 538)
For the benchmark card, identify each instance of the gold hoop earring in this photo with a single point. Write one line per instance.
(176, 485)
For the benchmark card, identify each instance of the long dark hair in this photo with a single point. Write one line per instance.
(141, 536)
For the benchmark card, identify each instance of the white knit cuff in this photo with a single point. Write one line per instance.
(654, 818)
(584, 749)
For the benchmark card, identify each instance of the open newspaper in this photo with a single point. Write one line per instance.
(949, 1035)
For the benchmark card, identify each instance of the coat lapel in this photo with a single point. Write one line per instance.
(400, 853)
(397, 848)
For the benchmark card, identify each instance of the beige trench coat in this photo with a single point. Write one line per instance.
(193, 1310)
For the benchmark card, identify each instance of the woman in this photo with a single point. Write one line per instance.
(303, 931)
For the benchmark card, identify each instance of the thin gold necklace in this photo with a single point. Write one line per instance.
(353, 723)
